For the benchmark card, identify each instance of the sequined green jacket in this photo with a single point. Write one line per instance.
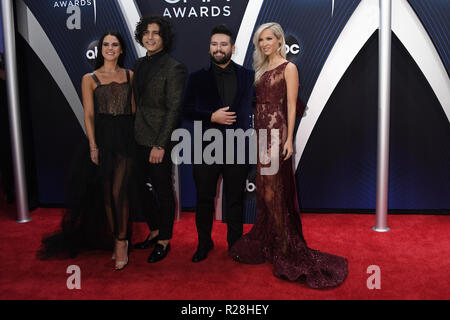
(158, 106)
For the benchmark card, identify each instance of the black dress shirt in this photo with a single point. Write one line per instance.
(146, 66)
(226, 82)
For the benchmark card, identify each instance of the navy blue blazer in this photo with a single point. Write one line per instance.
(202, 99)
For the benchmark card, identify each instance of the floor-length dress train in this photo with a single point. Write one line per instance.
(277, 233)
(100, 197)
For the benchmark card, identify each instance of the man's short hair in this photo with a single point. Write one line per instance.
(165, 30)
(223, 29)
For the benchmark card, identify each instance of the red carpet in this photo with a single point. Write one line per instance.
(414, 260)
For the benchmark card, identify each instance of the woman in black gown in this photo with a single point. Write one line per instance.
(277, 233)
(100, 184)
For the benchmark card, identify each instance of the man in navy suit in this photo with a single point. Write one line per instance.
(220, 96)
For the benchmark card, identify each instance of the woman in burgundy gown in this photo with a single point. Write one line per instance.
(277, 233)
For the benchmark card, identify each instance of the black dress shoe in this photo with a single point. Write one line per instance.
(202, 252)
(158, 253)
(147, 243)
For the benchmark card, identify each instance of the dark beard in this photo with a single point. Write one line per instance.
(224, 60)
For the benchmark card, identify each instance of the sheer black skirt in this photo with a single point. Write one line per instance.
(100, 198)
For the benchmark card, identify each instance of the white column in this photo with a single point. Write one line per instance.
(384, 97)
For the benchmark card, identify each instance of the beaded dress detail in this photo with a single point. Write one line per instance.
(277, 233)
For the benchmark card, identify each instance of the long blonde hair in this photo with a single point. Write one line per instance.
(260, 60)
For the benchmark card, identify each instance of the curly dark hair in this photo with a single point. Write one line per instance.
(165, 30)
(100, 60)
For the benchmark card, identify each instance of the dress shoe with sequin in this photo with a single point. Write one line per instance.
(158, 253)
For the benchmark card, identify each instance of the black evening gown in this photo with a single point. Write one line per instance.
(100, 198)
(277, 233)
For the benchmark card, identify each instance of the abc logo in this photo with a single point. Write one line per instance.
(250, 186)
(92, 52)
(292, 48)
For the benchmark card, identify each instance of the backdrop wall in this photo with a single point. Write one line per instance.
(334, 45)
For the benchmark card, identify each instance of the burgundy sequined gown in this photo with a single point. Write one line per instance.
(277, 233)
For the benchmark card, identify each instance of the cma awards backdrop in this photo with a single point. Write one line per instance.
(334, 44)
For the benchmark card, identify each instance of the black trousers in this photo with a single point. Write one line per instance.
(160, 176)
(206, 177)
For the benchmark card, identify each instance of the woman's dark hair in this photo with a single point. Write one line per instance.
(223, 29)
(100, 60)
(165, 30)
